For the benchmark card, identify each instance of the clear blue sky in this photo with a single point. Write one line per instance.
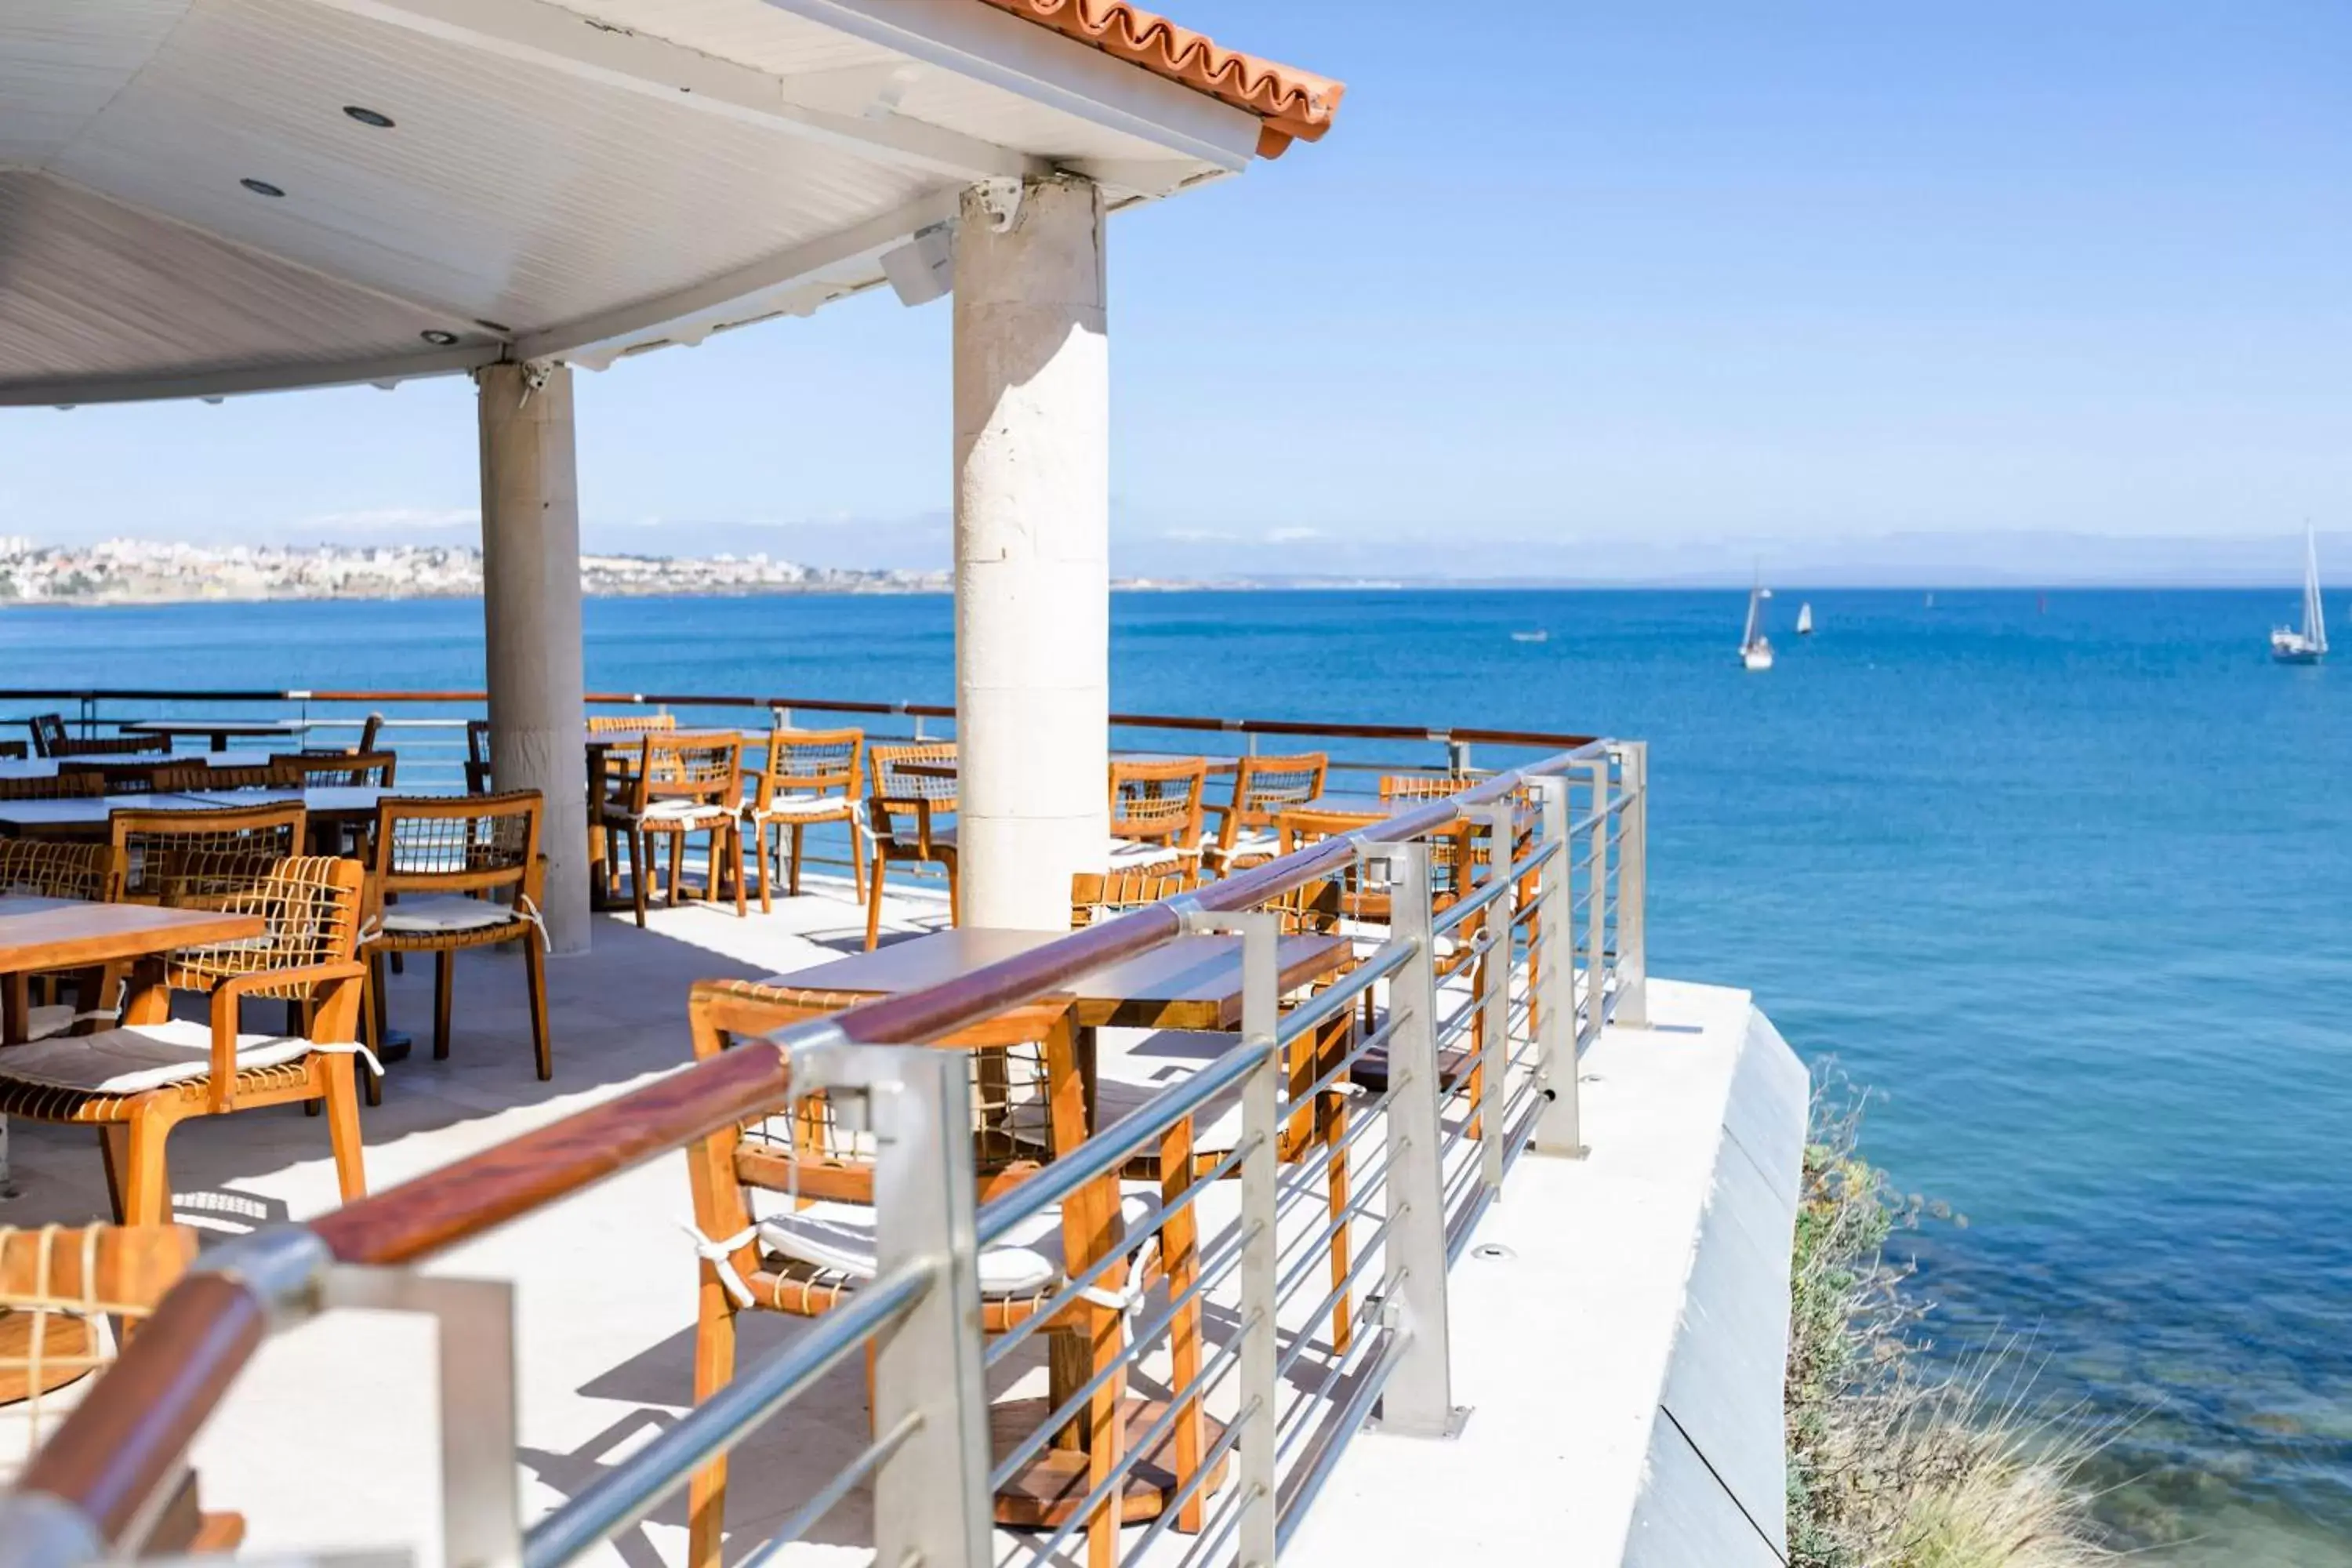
(1599, 278)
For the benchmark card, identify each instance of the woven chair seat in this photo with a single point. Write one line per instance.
(104, 1076)
(944, 837)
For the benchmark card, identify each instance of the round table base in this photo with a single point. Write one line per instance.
(1047, 1489)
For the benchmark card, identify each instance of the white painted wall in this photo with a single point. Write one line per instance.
(1031, 550)
(531, 601)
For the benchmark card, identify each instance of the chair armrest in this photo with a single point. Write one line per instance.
(345, 974)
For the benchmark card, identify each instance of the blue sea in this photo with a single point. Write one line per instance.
(2066, 883)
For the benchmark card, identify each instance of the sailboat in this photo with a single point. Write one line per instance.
(1805, 619)
(1755, 648)
(2308, 646)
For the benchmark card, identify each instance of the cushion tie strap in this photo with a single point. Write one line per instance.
(719, 1255)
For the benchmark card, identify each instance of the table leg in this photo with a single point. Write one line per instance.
(16, 1008)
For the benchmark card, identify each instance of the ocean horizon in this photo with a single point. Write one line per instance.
(2063, 878)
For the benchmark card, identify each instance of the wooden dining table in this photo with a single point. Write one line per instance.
(1189, 982)
(79, 814)
(41, 936)
(112, 763)
(946, 768)
(217, 733)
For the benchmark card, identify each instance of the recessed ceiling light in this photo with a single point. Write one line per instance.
(368, 116)
(262, 187)
(437, 338)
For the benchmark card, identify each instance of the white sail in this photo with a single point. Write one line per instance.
(1805, 619)
(1755, 648)
(2315, 614)
(2308, 643)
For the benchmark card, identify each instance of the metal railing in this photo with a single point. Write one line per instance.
(1494, 934)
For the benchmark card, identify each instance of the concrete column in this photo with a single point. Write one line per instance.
(531, 611)
(1032, 549)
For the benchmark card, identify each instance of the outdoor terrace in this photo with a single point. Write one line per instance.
(1565, 1299)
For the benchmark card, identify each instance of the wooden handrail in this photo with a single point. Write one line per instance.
(1194, 722)
(122, 1442)
(110, 1455)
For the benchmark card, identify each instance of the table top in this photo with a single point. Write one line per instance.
(130, 762)
(947, 769)
(218, 727)
(605, 740)
(1190, 983)
(64, 933)
(334, 800)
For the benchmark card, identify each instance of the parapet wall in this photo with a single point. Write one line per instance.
(1714, 1483)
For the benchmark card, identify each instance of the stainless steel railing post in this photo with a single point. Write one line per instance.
(1596, 907)
(1494, 1004)
(1419, 1401)
(1560, 1130)
(1633, 891)
(1261, 1338)
(932, 1495)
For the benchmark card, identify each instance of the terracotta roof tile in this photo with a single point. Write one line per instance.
(1288, 103)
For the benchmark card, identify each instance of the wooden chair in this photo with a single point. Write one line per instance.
(1263, 788)
(52, 869)
(1156, 812)
(49, 733)
(202, 778)
(47, 869)
(682, 787)
(630, 723)
(902, 813)
(1099, 895)
(811, 777)
(110, 746)
(175, 857)
(136, 1082)
(316, 770)
(446, 874)
(115, 779)
(1029, 1100)
(67, 1298)
(63, 785)
(478, 756)
(15, 750)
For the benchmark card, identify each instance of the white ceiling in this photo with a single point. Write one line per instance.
(577, 179)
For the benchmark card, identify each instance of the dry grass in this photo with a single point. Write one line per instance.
(1890, 1466)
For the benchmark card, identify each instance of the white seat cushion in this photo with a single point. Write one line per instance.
(840, 1236)
(412, 916)
(1255, 842)
(138, 1058)
(787, 806)
(54, 1018)
(685, 810)
(1125, 853)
